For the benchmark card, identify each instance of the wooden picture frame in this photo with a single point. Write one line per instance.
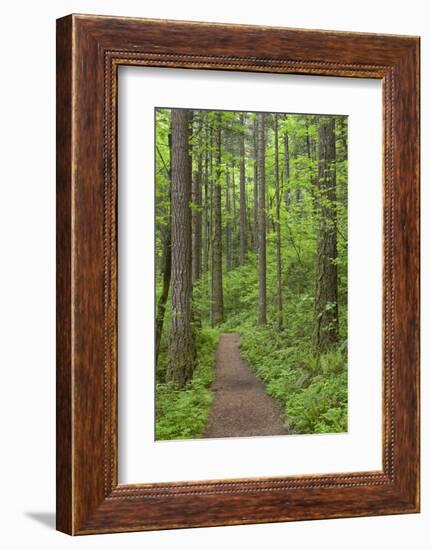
(89, 52)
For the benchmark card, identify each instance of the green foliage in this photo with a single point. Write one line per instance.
(183, 413)
(311, 387)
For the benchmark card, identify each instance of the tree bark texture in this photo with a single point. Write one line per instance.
(181, 340)
(286, 168)
(165, 267)
(235, 234)
(205, 221)
(242, 201)
(326, 293)
(217, 265)
(228, 225)
(261, 320)
(255, 188)
(278, 228)
(197, 223)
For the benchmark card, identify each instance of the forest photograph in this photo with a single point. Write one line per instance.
(251, 231)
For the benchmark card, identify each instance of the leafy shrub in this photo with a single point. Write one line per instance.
(183, 413)
(312, 388)
(321, 407)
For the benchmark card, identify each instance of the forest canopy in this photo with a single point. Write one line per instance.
(251, 238)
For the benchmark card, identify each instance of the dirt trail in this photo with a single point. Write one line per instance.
(241, 407)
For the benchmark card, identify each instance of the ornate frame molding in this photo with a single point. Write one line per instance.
(90, 49)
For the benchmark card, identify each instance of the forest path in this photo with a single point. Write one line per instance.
(240, 407)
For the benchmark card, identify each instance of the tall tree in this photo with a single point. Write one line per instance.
(326, 290)
(311, 153)
(286, 166)
(250, 226)
(181, 340)
(242, 199)
(197, 218)
(234, 255)
(217, 266)
(211, 214)
(228, 224)
(261, 320)
(206, 220)
(278, 228)
(165, 263)
(255, 186)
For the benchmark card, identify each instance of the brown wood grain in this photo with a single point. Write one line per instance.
(89, 51)
(63, 288)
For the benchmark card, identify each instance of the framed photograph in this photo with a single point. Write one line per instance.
(237, 274)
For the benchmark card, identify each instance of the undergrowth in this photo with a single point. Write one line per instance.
(313, 389)
(183, 413)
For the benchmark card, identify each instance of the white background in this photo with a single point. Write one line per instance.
(141, 458)
(27, 232)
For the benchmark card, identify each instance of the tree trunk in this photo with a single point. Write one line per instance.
(286, 168)
(234, 239)
(181, 341)
(211, 186)
(261, 218)
(161, 304)
(228, 225)
(250, 229)
(165, 268)
(311, 154)
(206, 239)
(217, 280)
(278, 229)
(326, 292)
(242, 201)
(255, 188)
(197, 223)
